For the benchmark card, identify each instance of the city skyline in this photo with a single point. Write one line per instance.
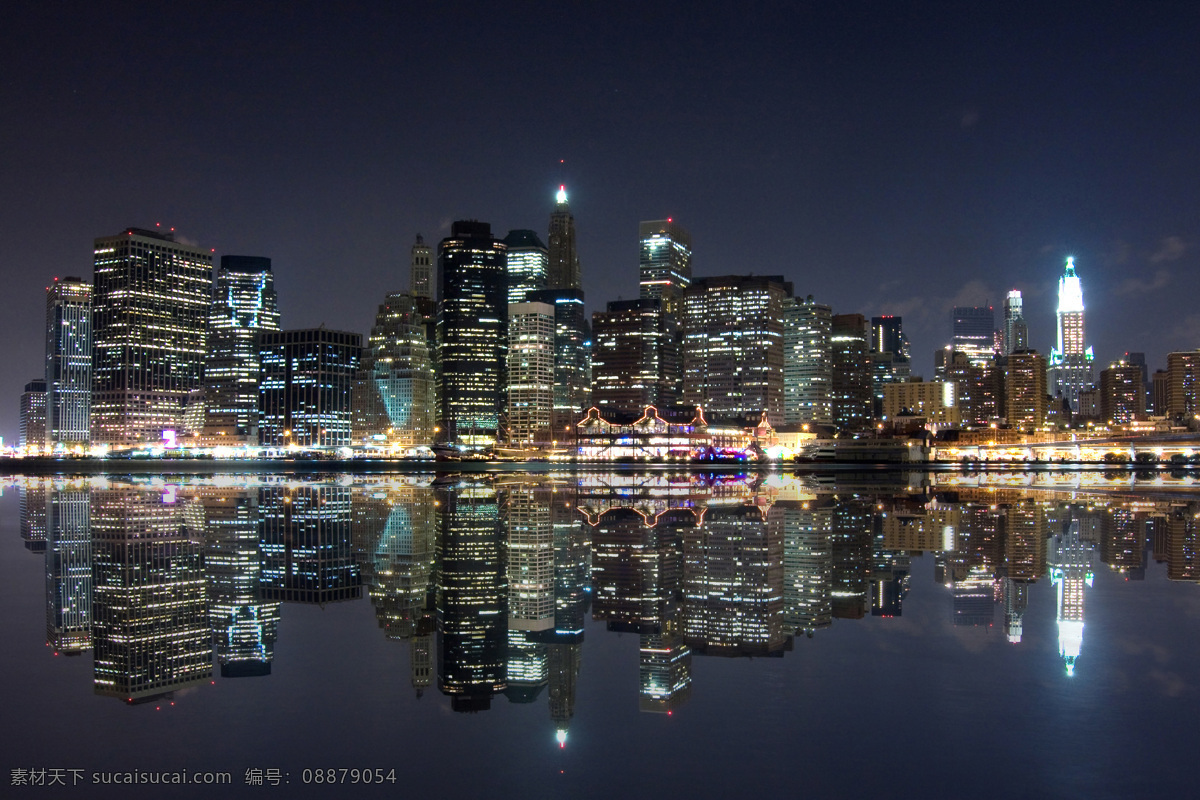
(913, 159)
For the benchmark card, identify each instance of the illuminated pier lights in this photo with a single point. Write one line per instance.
(1070, 572)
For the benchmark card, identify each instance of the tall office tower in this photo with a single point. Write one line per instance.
(572, 357)
(1016, 331)
(732, 344)
(526, 264)
(150, 628)
(1071, 361)
(635, 356)
(978, 389)
(1183, 384)
(420, 276)
(850, 388)
(807, 362)
(307, 548)
(245, 626)
(1160, 392)
(150, 307)
(530, 373)
(1122, 396)
(1070, 560)
(68, 363)
(244, 305)
(807, 562)
(889, 357)
(974, 333)
(306, 387)
(887, 336)
(33, 414)
(666, 259)
(393, 398)
(472, 334)
(1025, 389)
(563, 271)
(68, 571)
(472, 607)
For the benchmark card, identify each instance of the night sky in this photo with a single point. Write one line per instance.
(885, 157)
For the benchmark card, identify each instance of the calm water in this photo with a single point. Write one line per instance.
(605, 636)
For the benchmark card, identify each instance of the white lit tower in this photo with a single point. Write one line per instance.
(1071, 362)
(1070, 560)
(1016, 331)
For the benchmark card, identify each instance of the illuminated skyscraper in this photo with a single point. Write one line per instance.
(1069, 559)
(393, 396)
(850, 390)
(1025, 389)
(420, 276)
(563, 271)
(974, 333)
(1016, 330)
(732, 344)
(68, 571)
(306, 386)
(666, 259)
(33, 414)
(244, 305)
(1071, 361)
(635, 356)
(1183, 384)
(1122, 393)
(68, 363)
(472, 334)
(572, 356)
(530, 373)
(150, 311)
(525, 263)
(807, 362)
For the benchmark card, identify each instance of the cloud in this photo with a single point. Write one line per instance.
(1143, 286)
(1171, 683)
(1170, 248)
(969, 118)
(973, 293)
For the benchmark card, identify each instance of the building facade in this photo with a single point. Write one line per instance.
(1016, 330)
(807, 363)
(1071, 361)
(151, 301)
(1122, 397)
(526, 263)
(1025, 389)
(530, 373)
(666, 259)
(850, 391)
(635, 356)
(572, 356)
(306, 387)
(974, 333)
(563, 271)
(393, 402)
(33, 414)
(420, 276)
(68, 363)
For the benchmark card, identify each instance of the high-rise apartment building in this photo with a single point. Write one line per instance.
(807, 362)
(306, 387)
(530, 373)
(563, 271)
(526, 262)
(974, 333)
(472, 334)
(1122, 396)
(850, 392)
(666, 259)
(732, 344)
(1071, 360)
(635, 356)
(68, 363)
(33, 414)
(393, 398)
(1016, 330)
(420, 276)
(244, 306)
(150, 307)
(572, 356)
(1025, 389)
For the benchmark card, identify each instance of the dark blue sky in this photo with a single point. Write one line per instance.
(885, 157)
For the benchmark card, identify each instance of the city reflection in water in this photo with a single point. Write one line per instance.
(489, 581)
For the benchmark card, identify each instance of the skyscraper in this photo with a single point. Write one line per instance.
(850, 390)
(974, 333)
(563, 271)
(33, 414)
(732, 344)
(150, 310)
(1122, 398)
(572, 355)
(1025, 389)
(1016, 331)
(393, 398)
(666, 259)
(635, 356)
(1183, 384)
(889, 357)
(244, 306)
(472, 334)
(530, 373)
(306, 388)
(1071, 361)
(420, 274)
(526, 264)
(807, 363)
(68, 363)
